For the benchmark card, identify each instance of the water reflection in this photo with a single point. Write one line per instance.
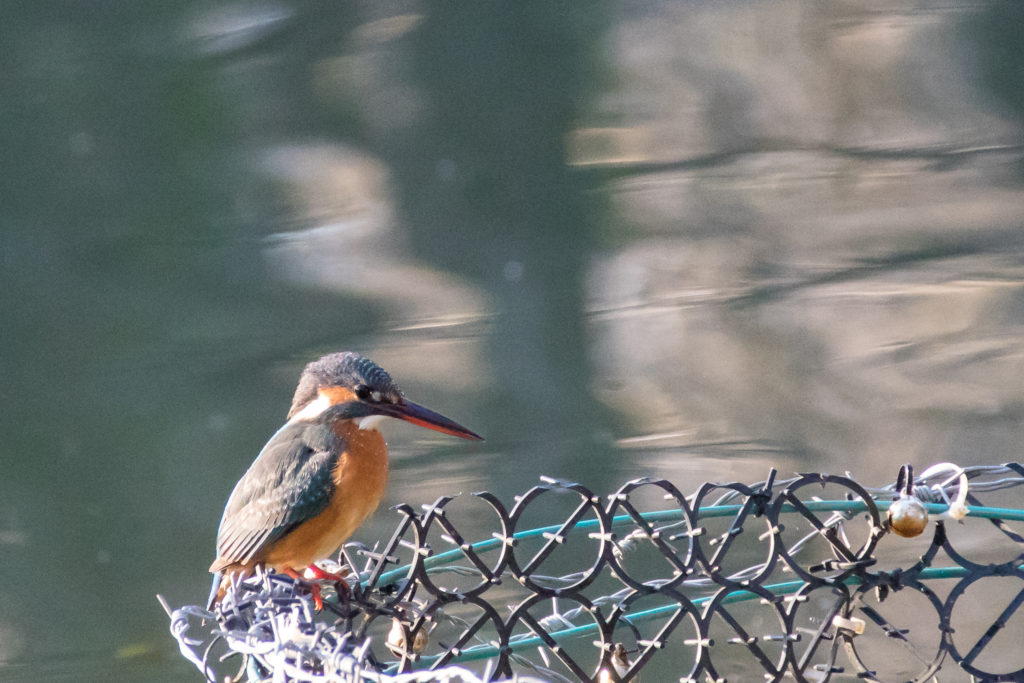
(689, 240)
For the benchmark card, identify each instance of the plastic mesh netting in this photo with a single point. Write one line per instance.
(800, 578)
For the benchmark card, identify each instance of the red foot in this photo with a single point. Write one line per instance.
(318, 602)
(338, 579)
(320, 575)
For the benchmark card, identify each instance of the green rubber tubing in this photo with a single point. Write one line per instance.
(850, 506)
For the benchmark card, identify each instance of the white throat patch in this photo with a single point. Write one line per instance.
(370, 421)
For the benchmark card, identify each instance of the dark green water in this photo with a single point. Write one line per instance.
(690, 240)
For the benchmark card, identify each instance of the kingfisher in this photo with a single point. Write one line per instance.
(320, 476)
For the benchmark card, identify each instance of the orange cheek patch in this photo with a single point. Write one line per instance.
(337, 395)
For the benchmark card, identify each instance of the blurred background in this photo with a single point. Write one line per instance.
(689, 240)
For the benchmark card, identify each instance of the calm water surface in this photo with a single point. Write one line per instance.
(686, 240)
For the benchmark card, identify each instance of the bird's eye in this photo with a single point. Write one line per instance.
(363, 392)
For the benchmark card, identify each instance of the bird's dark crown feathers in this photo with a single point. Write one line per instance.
(344, 369)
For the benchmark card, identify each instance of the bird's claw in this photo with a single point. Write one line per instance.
(318, 574)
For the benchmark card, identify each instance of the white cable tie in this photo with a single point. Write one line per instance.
(939, 468)
(853, 624)
(958, 508)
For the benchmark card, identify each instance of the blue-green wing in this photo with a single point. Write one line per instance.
(289, 482)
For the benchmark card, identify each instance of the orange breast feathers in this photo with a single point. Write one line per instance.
(360, 477)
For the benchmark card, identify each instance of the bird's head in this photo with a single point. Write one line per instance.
(353, 387)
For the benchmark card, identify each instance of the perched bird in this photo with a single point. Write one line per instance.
(321, 475)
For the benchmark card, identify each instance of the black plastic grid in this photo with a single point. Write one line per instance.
(816, 602)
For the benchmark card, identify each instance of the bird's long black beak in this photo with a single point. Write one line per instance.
(424, 417)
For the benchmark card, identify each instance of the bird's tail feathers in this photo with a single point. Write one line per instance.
(217, 591)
